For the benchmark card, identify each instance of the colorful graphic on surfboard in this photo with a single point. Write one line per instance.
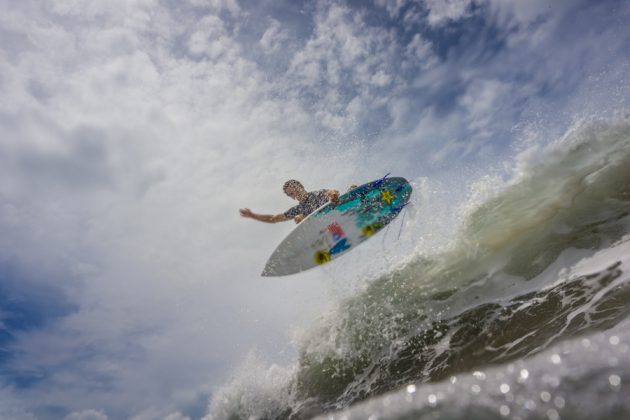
(335, 229)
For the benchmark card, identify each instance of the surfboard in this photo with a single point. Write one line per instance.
(337, 228)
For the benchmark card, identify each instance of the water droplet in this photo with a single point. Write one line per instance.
(504, 410)
(453, 379)
(476, 389)
(614, 340)
(545, 396)
(586, 342)
(524, 374)
(479, 375)
(505, 388)
(432, 399)
(614, 380)
(551, 380)
(558, 402)
(530, 405)
(556, 359)
(552, 414)
(411, 388)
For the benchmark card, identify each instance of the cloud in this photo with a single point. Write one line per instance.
(350, 65)
(441, 11)
(117, 177)
(480, 102)
(218, 5)
(434, 13)
(87, 415)
(392, 7)
(274, 38)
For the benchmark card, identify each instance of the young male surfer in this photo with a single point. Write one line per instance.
(308, 203)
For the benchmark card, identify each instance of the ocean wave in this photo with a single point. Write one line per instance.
(505, 289)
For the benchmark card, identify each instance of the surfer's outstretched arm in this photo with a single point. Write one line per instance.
(267, 218)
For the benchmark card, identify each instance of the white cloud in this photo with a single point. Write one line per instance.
(209, 38)
(419, 54)
(274, 38)
(392, 7)
(126, 178)
(482, 100)
(438, 12)
(348, 61)
(442, 11)
(218, 5)
(176, 416)
(87, 415)
(527, 12)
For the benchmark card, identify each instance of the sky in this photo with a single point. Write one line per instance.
(131, 131)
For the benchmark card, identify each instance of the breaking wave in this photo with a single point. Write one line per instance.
(542, 261)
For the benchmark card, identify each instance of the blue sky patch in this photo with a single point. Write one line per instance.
(26, 305)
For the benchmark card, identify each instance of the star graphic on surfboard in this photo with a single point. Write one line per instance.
(387, 196)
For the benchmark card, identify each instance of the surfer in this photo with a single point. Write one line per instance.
(308, 203)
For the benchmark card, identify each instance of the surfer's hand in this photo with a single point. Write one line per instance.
(246, 212)
(333, 195)
(298, 218)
